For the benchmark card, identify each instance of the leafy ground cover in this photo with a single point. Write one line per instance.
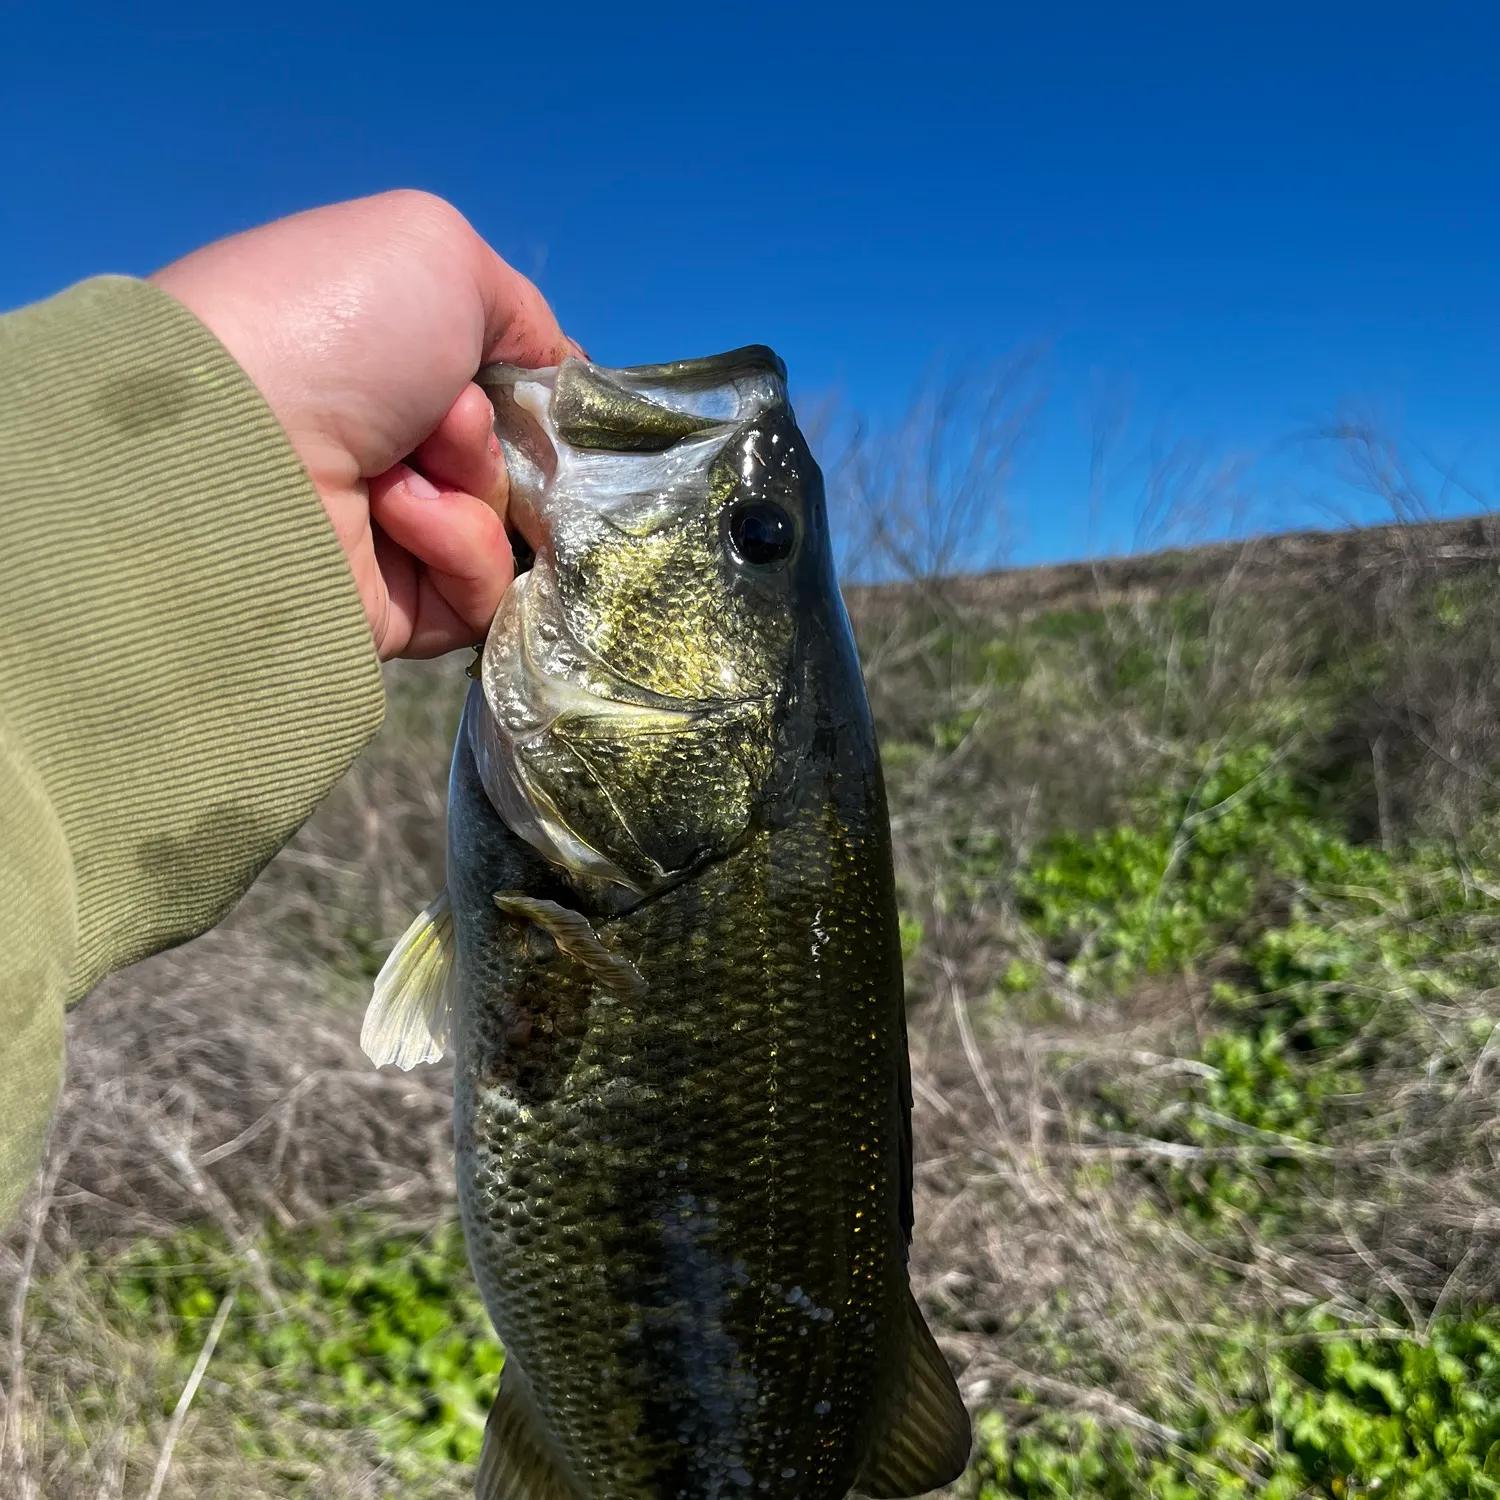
(1339, 965)
(354, 1326)
(1208, 904)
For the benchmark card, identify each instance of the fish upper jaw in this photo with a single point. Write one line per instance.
(570, 446)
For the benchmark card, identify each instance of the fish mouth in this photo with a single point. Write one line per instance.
(625, 450)
(610, 441)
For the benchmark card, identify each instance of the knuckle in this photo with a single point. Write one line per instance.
(425, 211)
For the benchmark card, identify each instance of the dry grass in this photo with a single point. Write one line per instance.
(1053, 1260)
(223, 1083)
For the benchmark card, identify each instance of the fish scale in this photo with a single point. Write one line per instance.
(668, 956)
(698, 1070)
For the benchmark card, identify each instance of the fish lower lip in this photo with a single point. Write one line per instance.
(522, 522)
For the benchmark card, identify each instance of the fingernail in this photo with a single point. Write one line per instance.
(419, 486)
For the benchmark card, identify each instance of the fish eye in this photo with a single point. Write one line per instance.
(761, 532)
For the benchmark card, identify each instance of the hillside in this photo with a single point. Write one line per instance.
(1199, 859)
(1293, 563)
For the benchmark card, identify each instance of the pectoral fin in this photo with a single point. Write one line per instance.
(924, 1440)
(574, 936)
(410, 1016)
(516, 1462)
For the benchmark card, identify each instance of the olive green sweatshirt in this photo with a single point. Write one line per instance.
(185, 665)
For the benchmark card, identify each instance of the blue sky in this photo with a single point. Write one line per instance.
(1224, 221)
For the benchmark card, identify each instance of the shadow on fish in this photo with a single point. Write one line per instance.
(667, 967)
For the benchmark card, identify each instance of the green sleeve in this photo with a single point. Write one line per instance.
(185, 665)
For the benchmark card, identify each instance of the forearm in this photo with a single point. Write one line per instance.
(185, 663)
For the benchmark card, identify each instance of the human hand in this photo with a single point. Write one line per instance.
(363, 324)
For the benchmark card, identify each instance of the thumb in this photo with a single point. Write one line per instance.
(519, 327)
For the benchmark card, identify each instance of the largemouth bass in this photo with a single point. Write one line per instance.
(668, 967)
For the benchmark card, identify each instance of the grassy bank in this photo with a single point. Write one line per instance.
(1200, 874)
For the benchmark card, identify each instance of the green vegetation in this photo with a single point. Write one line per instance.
(1237, 874)
(1332, 952)
(1201, 918)
(350, 1328)
(1304, 1414)
(358, 1326)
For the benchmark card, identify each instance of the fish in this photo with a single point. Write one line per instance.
(667, 966)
